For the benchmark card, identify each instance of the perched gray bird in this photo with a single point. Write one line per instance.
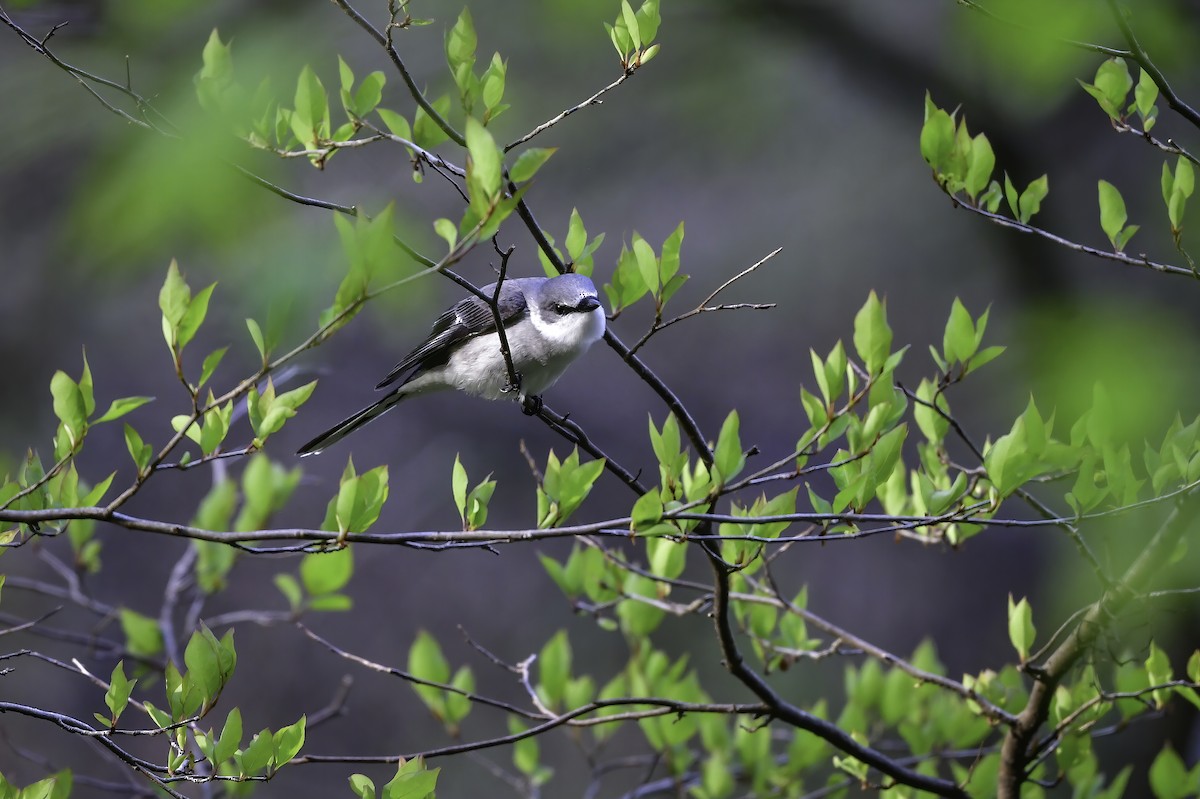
(549, 322)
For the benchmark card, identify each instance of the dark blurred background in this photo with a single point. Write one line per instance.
(761, 124)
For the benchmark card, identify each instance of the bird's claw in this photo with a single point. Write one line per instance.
(531, 405)
(512, 385)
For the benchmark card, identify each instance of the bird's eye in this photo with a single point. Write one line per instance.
(561, 310)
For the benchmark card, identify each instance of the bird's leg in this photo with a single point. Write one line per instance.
(531, 404)
(513, 383)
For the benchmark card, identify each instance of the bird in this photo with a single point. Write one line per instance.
(548, 322)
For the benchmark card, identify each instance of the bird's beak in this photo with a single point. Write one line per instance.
(588, 304)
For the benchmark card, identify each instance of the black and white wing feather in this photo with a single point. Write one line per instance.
(464, 320)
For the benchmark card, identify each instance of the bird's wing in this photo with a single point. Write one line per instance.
(464, 320)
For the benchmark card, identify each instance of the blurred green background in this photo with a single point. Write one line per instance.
(761, 124)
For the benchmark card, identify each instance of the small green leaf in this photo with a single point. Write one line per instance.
(395, 123)
(412, 781)
(143, 637)
(554, 669)
(529, 162)
(290, 589)
(173, 300)
(872, 335)
(310, 121)
(326, 572)
(447, 230)
(959, 340)
(192, 318)
(937, 138)
(256, 757)
(1020, 626)
(369, 93)
(119, 689)
(669, 262)
(1169, 777)
(728, 455)
(647, 264)
(1031, 199)
(120, 407)
(1112, 211)
(426, 662)
(69, 405)
(631, 24)
(231, 737)
(483, 168)
(362, 786)
(1144, 96)
(257, 336)
(211, 362)
(288, 741)
(458, 487)
(980, 164)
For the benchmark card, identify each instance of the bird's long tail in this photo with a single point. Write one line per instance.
(349, 425)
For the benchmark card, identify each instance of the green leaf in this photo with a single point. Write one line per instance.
(1010, 194)
(1020, 626)
(210, 663)
(211, 362)
(1169, 777)
(426, 662)
(119, 689)
(412, 781)
(193, 317)
(931, 423)
(258, 754)
(461, 42)
(331, 603)
(631, 24)
(1113, 82)
(143, 638)
(231, 737)
(395, 123)
(69, 406)
(959, 340)
(257, 336)
(290, 589)
(1112, 211)
(1144, 96)
(937, 139)
(554, 669)
(1031, 199)
(872, 335)
(310, 121)
(529, 162)
(426, 133)
(980, 164)
(326, 572)
(362, 786)
(288, 741)
(1158, 672)
(639, 618)
(647, 264)
(447, 230)
(647, 511)
(648, 22)
(483, 168)
(369, 93)
(85, 388)
(491, 88)
(120, 407)
(728, 456)
(669, 263)
(458, 487)
(173, 299)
